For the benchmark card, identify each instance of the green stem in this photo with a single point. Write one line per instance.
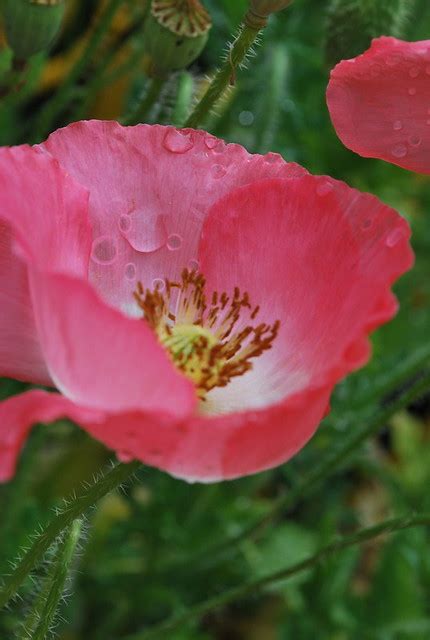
(183, 98)
(86, 499)
(253, 586)
(325, 469)
(269, 119)
(152, 95)
(43, 615)
(59, 101)
(225, 76)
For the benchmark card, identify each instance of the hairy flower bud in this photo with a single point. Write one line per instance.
(175, 34)
(31, 25)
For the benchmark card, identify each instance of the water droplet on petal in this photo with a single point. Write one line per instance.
(147, 231)
(193, 265)
(177, 141)
(174, 242)
(415, 141)
(394, 237)
(124, 223)
(393, 60)
(158, 284)
(130, 271)
(412, 91)
(414, 72)
(218, 171)
(324, 188)
(399, 151)
(124, 457)
(104, 250)
(397, 125)
(210, 141)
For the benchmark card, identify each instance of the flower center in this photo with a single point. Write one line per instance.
(210, 341)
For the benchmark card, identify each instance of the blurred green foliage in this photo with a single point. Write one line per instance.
(151, 551)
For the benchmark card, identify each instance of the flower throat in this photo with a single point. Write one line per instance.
(210, 341)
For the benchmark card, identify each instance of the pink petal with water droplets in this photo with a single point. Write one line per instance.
(379, 103)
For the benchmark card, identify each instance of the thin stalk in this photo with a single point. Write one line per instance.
(43, 616)
(59, 101)
(144, 108)
(254, 586)
(77, 507)
(325, 469)
(183, 98)
(270, 114)
(240, 49)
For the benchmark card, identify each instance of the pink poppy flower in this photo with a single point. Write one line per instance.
(259, 285)
(379, 103)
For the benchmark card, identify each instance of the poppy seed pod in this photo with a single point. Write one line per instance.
(175, 34)
(31, 25)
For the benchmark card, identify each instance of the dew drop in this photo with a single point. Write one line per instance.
(124, 223)
(397, 125)
(399, 151)
(158, 284)
(272, 158)
(124, 456)
(324, 188)
(174, 242)
(218, 171)
(104, 250)
(412, 91)
(178, 142)
(393, 60)
(193, 265)
(415, 141)
(210, 141)
(394, 237)
(147, 231)
(414, 72)
(130, 271)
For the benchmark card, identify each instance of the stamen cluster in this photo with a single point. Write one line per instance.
(209, 341)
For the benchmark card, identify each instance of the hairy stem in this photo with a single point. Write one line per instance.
(77, 507)
(253, 586)
(43, 616)
(226, 75)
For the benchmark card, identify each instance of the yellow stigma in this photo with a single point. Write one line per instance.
(211, 342)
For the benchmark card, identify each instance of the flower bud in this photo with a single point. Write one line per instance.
(175, 34)
(31, 25)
